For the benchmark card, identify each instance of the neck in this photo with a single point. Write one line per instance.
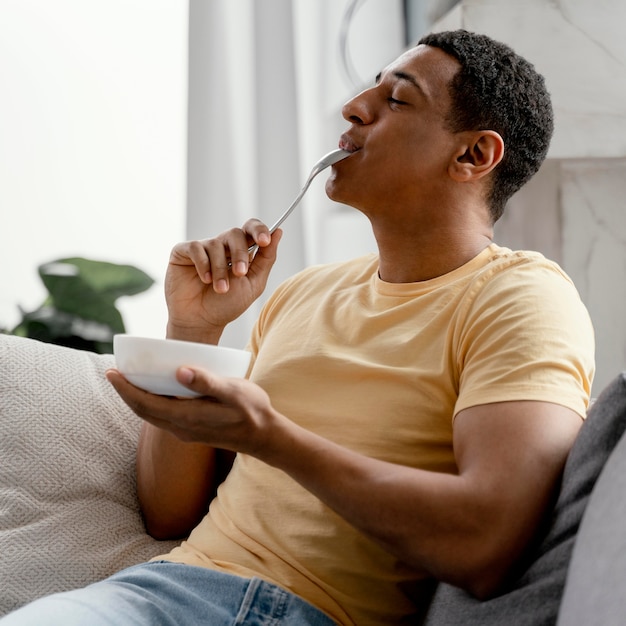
(420, 257)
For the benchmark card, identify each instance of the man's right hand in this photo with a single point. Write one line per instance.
(210, 283)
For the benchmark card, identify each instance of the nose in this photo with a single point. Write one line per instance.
(358, 109)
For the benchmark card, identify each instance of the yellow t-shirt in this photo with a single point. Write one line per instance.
(382, 369)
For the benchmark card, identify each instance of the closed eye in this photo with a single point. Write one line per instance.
(395, 101)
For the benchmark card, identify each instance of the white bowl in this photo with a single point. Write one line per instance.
(151, 363)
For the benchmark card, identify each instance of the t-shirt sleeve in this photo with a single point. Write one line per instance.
(526, 335)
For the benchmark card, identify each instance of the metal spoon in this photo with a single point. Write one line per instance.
(330, 159)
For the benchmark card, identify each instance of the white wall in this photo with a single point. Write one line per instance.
(92, 142)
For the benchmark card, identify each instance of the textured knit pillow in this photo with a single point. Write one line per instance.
(533, 599)
(68, 508)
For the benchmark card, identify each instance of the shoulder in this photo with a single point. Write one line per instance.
(524, 291)
(524, 333)
(524, 279)
(507, 263)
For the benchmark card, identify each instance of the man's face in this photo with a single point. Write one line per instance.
(399, 134)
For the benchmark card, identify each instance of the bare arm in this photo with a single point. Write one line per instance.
(466, 529)
(173, 482)
(176, 479)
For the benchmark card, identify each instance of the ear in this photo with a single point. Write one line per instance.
(477, 156)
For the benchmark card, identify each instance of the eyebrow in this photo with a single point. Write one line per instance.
(404, 77)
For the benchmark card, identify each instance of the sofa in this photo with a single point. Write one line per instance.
(69, 513)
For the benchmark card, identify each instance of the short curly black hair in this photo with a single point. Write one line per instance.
(496, 89)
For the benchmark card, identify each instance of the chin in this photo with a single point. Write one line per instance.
(334, 190)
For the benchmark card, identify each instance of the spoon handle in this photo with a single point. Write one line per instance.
(329, 159)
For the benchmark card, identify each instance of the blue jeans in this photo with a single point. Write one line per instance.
(171, 594)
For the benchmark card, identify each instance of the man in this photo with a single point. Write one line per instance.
(408, 414)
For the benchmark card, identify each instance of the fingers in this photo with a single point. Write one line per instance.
(201, 382)
(238, 248)
(258, 232)
(213, 418)
(216, 260)
(265, 258)
(165, 412)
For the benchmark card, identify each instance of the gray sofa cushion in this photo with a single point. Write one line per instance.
(594, 589)
(534, 596)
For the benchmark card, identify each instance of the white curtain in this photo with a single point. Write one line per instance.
(267, 79)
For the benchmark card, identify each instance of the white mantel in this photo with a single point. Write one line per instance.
(573, 210)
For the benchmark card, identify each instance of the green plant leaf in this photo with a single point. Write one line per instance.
(80, 309)
(111, 279)
(90, 288)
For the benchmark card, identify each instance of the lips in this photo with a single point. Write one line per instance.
(345, 143)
